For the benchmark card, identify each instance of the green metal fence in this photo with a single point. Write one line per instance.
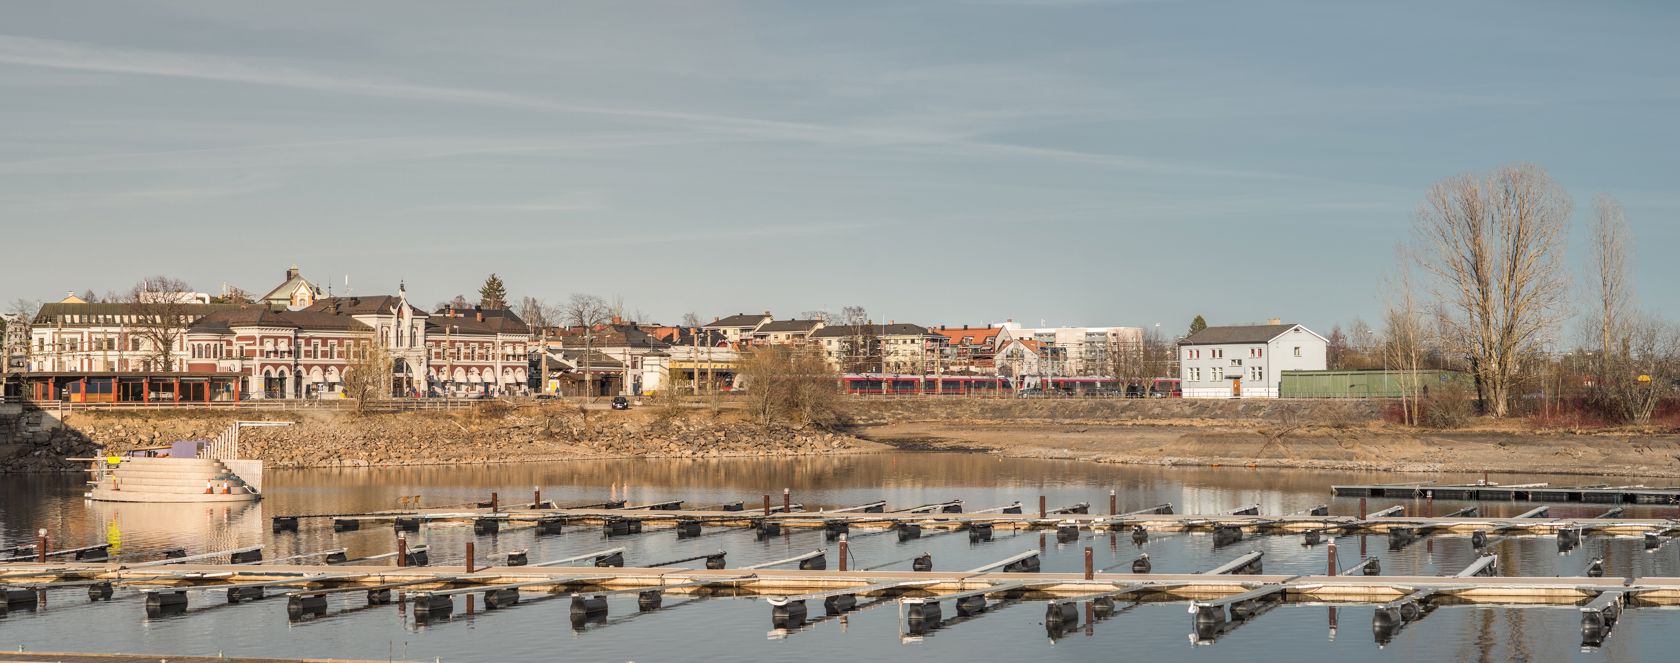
(1364, 384)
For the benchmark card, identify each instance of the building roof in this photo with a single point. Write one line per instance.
(111, 313)
(283, 292)
(1238, 334)
(223, 322)
(496, 321)
(891, 329)
(978, 335)
(370, 305)
(787, 326)
(739, 320)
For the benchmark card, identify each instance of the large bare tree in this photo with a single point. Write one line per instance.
(163, 309)
(1493, 244)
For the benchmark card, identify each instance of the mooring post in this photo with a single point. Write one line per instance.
(402, 549)
(1113, 503)
(41, 545)
(470, 557)
(1090, 564)
(493, 501)
(1332, 558)
(1361, 508)
(1041, 507)
(766, 504)
(845, 550)
(787, 501)
(1429, 504)
(536, 497)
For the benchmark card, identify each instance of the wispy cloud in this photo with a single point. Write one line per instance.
(59, 54)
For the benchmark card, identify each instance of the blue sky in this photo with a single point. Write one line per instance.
(1077, 162)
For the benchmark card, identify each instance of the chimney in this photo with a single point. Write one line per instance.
(479, 315)
(617, 320)
(292, 272)
(451, 313)
(1274, 321)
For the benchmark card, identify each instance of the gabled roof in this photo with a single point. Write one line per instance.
(978, 335)
(787, 326)
(747, 320)
(894, 329)
(294, 280)
(1240, 334)
(496, 321)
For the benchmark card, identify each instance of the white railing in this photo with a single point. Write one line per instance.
(226, 445)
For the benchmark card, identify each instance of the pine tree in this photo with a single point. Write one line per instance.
(492, 295)
(1197, 325)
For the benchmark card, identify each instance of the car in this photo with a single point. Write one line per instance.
(620, 403)
(545, 397)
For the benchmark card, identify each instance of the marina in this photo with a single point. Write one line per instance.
(889, 568)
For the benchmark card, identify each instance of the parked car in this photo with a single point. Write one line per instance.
(1031, 392)
(620, 403)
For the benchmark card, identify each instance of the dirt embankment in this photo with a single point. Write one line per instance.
(1321, 434)
(483, 435)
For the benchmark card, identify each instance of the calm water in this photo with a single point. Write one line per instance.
(739, 628)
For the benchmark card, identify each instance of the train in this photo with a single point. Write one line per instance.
(882, 384)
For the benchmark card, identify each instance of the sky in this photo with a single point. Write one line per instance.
(1075, 162)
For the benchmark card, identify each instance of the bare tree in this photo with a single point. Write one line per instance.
(1139, 362)
(541, 317)
(367, 374)
(817, 314)
(1493, 245)
(691, 320)
(794, 385)
(1405, 341)
(586, 312)
(162, 313)
(860, 349)
(1634, 364)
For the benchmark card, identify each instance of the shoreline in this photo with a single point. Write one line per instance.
(1357, 450)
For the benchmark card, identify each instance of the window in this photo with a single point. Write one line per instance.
(1193, 374)
(1218, 374)
(1218, 353)
(1259, 353)
(1297, 350)
(1256, 373)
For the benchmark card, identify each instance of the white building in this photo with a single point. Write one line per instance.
(1247, 361)
(1084, 350)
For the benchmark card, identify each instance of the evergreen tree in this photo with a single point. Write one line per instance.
(492, 295)
(1197, 325)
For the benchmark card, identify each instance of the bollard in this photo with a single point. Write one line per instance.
(402, 550)
(469, 557)
(1041, 507)
(845, 548)
(1332, 557)
(1361, 508)
(1113, 503)
(41, 545)
(767, 505)
(1090, 564)
(536, 497)
(787, 501)
(494, 502)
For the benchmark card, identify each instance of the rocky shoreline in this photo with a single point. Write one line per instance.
(495, 434)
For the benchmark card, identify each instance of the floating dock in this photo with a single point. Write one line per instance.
(1535, 492)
